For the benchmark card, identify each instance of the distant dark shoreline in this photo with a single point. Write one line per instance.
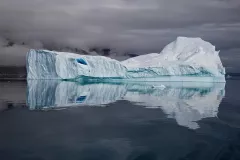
(13, 73)
(12, 79)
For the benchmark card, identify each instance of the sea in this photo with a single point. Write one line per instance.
(60, 120)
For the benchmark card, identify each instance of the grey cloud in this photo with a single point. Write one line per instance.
(125, 25)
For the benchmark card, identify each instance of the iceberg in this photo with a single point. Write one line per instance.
(185, 59)
(187, 102)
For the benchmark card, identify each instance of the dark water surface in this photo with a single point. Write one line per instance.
(49, 120)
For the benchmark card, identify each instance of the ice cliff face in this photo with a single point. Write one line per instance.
(42, 64)
(187, 57)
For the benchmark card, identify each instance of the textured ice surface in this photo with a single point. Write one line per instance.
(42, 64)
(187, 102)
(186, 57)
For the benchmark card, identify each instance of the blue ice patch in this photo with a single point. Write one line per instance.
(81, 61)
(81, 99)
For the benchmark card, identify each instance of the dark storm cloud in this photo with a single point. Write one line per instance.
(126, 25)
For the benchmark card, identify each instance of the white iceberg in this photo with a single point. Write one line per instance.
(186, 59)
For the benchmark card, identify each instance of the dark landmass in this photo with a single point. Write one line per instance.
(233, 74)
(13, 73)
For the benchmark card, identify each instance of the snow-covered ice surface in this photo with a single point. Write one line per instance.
(186, 59)
(185, 56)
(187, 102)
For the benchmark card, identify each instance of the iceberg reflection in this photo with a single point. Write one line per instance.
(187, 102)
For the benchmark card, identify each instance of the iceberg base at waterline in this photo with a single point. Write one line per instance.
(84, 79)
(187, 102)
(186, 59)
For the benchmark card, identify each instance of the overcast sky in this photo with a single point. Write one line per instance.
(125, 25)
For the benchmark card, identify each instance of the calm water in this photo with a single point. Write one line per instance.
(49, 120)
